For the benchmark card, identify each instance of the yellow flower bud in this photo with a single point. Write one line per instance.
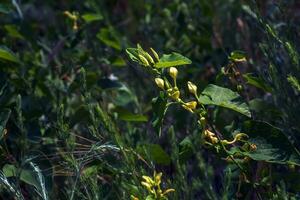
(168, 191)
(149, 58)
(160, 83)
(155, 54)
(239, 136)
(144, 60)
(174, 94)
(190, 106)
(192, 88)
(173, 72)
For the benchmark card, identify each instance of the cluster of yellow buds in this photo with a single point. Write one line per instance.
(210, 137)
(145, 58)
(153, 187)
(74, 17)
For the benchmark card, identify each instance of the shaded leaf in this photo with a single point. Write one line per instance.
(27, 176)
(109, 37)
(157, 154)
(185, 149)
(125, 115)
(272, 144)
(224, 97)
(159, 106)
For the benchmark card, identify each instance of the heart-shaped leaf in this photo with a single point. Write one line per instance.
(272, 145)
(224, 97)
(171, 60)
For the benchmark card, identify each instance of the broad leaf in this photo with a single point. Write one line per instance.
(4, 116)
(171, 60)
(7, 55)
(272, 144)
(224, 97)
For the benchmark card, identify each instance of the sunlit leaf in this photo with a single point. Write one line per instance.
(173, 59)
(224, 97)
(7, 55)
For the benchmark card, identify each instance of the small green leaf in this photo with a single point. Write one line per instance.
(224, 97)
(125, 115)
(7, 55)
(157, 154)
(91, 17)
(257, 82)
(4, 116)
(272, 144)
(4, 9)
(109, 37)
(133, 54)
(27, 176)
(237, 56)
(171, 60)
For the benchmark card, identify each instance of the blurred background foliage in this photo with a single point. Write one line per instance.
(75, 115)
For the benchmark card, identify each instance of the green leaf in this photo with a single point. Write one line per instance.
(7, 55)
(12, 31)
(272, 144)
(157, 154)
(224, 97)
(185, 149)
(159, 106)
(171, 60)
(4, 116)
(294, 82)
(109, 37)
(91, 17)
(237, 56)
(257, 82)
(133, 54)
(125, 115)
(4, 9)
(27, 176)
